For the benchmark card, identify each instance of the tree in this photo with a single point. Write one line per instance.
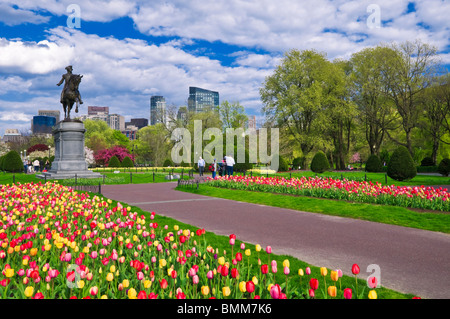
(319, 163)
(373, 164)
(232, 115)
(153, 144)
(293, 96)
(114, 162)
(103, 156)
(127, 162)
(436, 103)
(444, 167)
(401, 165)
(369, 92)
(12, 162)
(411, 67)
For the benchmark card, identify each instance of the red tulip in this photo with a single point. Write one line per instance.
(181, 295)
(314, 283)
(163, 283)
(152, 295)
(250, 286)
(224, 271)
(142, 295)
(347, 293)
(311, 293)
(264, 269)
(238, 256)
(355, 269)
(39, 295)
(234, 273)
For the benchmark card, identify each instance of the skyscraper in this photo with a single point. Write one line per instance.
(201, 100)
(54, 113)
(157, 109)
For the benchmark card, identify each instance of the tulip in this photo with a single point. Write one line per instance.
(234, 273)
(9, 273)
(311, 293)
(347, 293)
(372, 282)
(242, 286)
(109, 277)
(308, 271)
(334, 275)
(142, 295)
(195, 280)
(226, 291)
(132, 294)
(355, 269)
(250, 286)
(38, 295)
(163, 283)
(29, 291)
(372, 294)
(94, 291)
(332, 291)
(264, 269)
(314, 283)
(268, 249)
(286, 270)
(258, 248)
(204, 290)
(210, 274)
(323, 271)
(140, 275)
(275, 291)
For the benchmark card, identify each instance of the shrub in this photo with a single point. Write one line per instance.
(319, 163)
(444, 167)
(283, 165)
(12, 162)
(373, 164)
(37, 147)
(168, 162)
(401, 165)
(114, 162)
(127, 162)
(427, 161)
(298, 161)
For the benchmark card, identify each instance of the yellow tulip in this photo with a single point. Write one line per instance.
(332, 291)
(162, 263)
(176, 227)
(33, 251)
(248, 252)
(29, 291)
(372, 294)
(334, 275)
(286, 263)
(258, 248)
(300, 272)
(104, 297)
(125, 283)
(205, 290)
(80, 284)
(323, 271)
(242, 287)
(226, 291)
(147, 284)
(221, 261)
(109, 277)
(132, 293)
(25, 262)
(10, 272)
(112, 268)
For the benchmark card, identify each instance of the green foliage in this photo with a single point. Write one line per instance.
(444, 167)
(127, 162)
(373, 164)
(427, 161)
(168, 162)
(401, 165)
(298, 161)
(12, 162)
(1, 161)
(114, 162)
(283, 165)
(319, 163)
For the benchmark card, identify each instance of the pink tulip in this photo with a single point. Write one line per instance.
(268, 249)
(347, 293)
(140, 275)
(308, 271)
(94, 255)
(275, 291)
(195, 280)
(286, 271)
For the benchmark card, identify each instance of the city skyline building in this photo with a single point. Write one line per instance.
(201, 100)
(157, 109)
(42, 124)
(56, 114)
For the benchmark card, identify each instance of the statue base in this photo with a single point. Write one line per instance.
(69, 153)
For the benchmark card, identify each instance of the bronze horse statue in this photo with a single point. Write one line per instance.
(71, 95)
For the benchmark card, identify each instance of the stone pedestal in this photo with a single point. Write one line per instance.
(69, 152)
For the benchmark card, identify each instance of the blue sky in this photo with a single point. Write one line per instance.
(129, 50)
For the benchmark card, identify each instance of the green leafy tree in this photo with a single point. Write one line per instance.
(319, 163)
(373, 164)
(12, 162)
(401, 165)
(127, 162)
(444, 167)
(114, 162)
(232, 115)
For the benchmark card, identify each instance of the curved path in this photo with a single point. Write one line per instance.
(409, 260)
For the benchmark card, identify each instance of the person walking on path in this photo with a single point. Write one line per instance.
(214, 169)
(25, 165)
(36, 165)
(230, 162)
(201, 166)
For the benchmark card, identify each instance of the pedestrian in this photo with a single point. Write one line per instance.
(47, 165)
(201, 166)
(25, 165)
(36, 165)
(214, 169)
(30, 167)
(230, 162)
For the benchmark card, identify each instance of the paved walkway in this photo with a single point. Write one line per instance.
(410, 260)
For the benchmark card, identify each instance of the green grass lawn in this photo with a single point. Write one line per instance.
(394, 215)
(294, 281)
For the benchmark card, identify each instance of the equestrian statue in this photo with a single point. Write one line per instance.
(70, 94)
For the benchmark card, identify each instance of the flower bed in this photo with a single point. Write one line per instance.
(58, 243)
(359, 191)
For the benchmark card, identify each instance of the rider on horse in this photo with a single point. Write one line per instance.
(66, 78)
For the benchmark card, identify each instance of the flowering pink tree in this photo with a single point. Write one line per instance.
(356, 158)
(102, 157)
